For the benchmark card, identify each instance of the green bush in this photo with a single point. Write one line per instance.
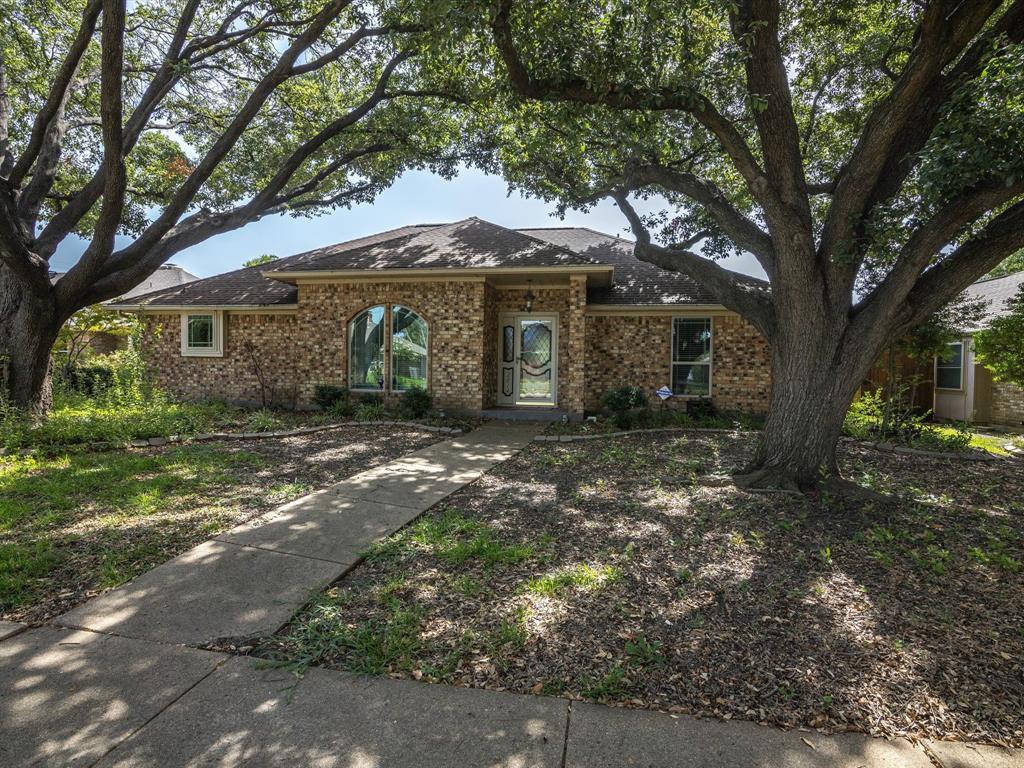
(262, 420)
(369, 411)
(87, 379)
(416, 403)
(626, 404)
(701, 409)
(327, 396)
(865, 420)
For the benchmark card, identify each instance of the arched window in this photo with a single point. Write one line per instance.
(366, 349)
(408, 349)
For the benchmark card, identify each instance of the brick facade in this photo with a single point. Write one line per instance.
(637, 349)
(299, 349)
(270, 337)
(1007, 404)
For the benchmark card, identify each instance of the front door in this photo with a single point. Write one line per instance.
(528, 360)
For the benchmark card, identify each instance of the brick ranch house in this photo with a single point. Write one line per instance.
(479, 315)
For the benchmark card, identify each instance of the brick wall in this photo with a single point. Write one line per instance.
(454, 312)
(1007, 404)
(637, 349)
(740, 369)
(231, 377)
(298, 350)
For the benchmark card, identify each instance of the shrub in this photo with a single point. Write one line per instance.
(87, 379)
(701, 409)
(371, 410)
(626, 404)
(327, 396)
(416, 403)
(262, 420)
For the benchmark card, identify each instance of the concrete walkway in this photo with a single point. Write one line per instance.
(127, 690)
(252, 579)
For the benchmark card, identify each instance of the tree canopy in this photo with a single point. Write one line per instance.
(867, 154)
(1000, 347)
(171, 121)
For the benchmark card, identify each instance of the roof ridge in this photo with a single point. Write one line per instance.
(585, 229)
(1000, 277)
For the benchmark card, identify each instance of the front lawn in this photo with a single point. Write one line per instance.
(79, 523)
(623, 570)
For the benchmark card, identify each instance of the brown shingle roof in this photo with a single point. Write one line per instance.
(996, 292)
(248, 286)
(468, 244)
(635, 281)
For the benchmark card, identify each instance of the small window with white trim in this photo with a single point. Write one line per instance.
(949, 368)
(202, 334)
(691, 356)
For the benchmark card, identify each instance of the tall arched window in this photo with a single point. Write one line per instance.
(408, 349)
(366, 349)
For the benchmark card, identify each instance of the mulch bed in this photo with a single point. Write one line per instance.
(900, 616)
(194, 507)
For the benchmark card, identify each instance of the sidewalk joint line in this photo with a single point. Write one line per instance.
(280, 551)
(163, 709)
(565, 742)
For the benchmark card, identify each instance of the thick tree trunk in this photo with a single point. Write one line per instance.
(28, 330)
(812, 387)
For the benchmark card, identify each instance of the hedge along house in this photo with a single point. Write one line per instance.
(480, 316)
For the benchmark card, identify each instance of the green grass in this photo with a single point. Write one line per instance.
(95, 520)
(583, 577)
(452, 538)
(991, 443)
(77, 419)
(371, 647)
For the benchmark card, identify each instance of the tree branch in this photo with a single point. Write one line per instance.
(58, 92)
(943, 34)
(78, 278)
(742, 294)
(1003, 236)
(743, 232)
(756, 29)
(624, 96)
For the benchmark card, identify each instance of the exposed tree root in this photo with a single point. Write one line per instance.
(767, 479)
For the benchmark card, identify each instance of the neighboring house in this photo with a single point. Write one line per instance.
(479, 315)
(964, 389)
(167, 276)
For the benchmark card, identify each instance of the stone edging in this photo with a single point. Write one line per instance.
(623, 433)
(148, 442)
(972, 455)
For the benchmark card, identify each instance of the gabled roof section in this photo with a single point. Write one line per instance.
(247, 287)
(468, 244)
(996, 291)
(636, 282)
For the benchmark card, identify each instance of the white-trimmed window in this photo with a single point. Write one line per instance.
(949, 368)
(691, 356)
(202, 334)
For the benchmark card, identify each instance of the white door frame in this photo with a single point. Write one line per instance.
(514, 319)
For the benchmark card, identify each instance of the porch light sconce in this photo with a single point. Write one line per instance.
(529, 296)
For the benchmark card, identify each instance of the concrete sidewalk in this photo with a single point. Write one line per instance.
(81, 698)
(128, 691)
(252, 579)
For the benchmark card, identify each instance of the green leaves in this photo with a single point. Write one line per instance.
(1000, 347)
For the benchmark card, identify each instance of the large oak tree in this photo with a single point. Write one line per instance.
(868, 154)
(148, 130)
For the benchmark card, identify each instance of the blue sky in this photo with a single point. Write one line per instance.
(416, 198)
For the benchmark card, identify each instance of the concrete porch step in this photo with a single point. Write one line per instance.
(524, 414)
